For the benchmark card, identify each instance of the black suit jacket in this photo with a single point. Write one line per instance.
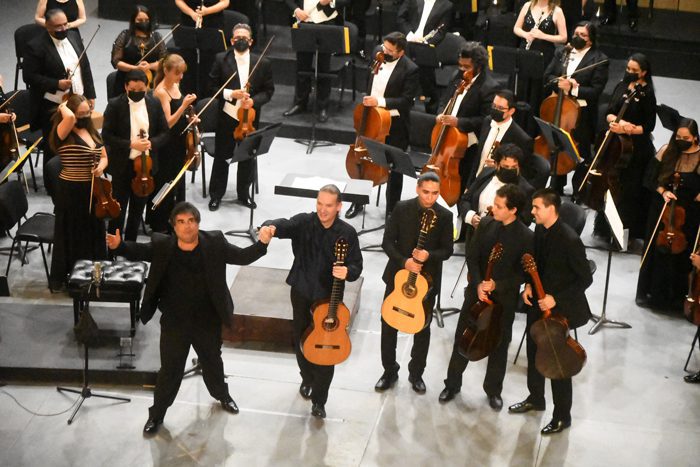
(514, 134)
(328, 9)
(116, 132)
(564, 271)
(217, 252)
(42, 69)
(476, 103)
(401, 236)
(591, 82)
(470, 199)
(410, 11)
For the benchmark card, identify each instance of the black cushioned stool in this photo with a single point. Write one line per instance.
(123, 281)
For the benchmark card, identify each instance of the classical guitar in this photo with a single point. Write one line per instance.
(403, 308)
(327, 342)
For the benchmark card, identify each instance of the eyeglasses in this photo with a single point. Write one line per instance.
(502, 109)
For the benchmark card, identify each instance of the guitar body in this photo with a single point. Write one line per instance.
(403, 308)
(483, 335)
(558, 355)
(327, 343)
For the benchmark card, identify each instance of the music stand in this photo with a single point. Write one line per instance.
(670, 117)
(558, 141)
(530, 66)
(255, 144)
(199, 40)
(423, 54)
(618, 242)
(318, 38)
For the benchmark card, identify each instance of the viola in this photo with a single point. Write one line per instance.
(671, 237)
(9, 141)
(558, 356)
(449, 145)
(373, 123)
(142, 184)
(246, 117)
(192, 138)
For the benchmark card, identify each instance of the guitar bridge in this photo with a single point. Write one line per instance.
(403, 312)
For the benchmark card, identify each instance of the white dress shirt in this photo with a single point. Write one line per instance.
(316, 15)
(138, 117)
(379, 85)
(574, 61)
(69, 57)
(243, 65)
(485, 199)
(496, 133)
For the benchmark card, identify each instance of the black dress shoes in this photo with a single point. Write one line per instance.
(495, 402)
(294, 110)
(214, 204)
(524, 406)
(354, 210)
(447, 395)
(247, 202)
(318, 410)
(386, 381)
(229, 406)
(555, 426)
(151, 426)
(323, 116)
(417, 384)
(305, 390)
(693, 379)
(608, 20)
(633, 25)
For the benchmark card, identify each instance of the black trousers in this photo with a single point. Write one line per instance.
(305, 63)
(319, 376)
(121, 190)
(358, 14)
(561, 388)
(421, 340)
(611, 8)
(497, 361)
(426, 77)
(176, 338)
(219, 178)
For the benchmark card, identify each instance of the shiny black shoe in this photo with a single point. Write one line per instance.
(386, 381)
(447, 395)
(318, 410)
(229, 406)
(323, 116)
(151, 426)
(495, 402)
(417, 384)
(607, 21)
(633, 25)
(692, 379)
(214, 204)
(247, 202)
(305, 390)
(525, 406)
(555, 426)
(294, 110)
(354, 210)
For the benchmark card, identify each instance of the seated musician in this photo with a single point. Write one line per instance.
(565, 274)
(425, 22)
(503, 287)
(132, 44)
(125, 117)
(235, 96)
(474, 104)
(317, 12)
(393, 88)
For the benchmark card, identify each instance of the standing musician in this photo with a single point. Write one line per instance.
(174, 103)
(202, 13)
(506, 228)
(78, 234)
(125, 117)
(586, 87)
(49, 59)
(318, 12)
(192, 314)
(694, 378)
(74, 10)
(663, 277)
(418, 19)
(314, 236)
(611, 13)
(541, 25)
(132, 44)
(236, 96)
(394, 88)
(356, 11)
(399, 243)
(565, 273)
(473, 105)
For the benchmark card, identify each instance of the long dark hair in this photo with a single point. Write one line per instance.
(644, 65)
(672, 153)
(73, 103)
(132, 21)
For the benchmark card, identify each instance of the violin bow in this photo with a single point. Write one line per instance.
(262, 55)
(213, 98)
(166, 37)
(70, 75)
(7, 101)
(697, 238)
(554, 80)
(653, 235)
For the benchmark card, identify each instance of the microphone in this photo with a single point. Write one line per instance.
(97, 277)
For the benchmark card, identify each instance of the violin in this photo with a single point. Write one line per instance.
(449, 145)
(671, 237)
(562, 111)
(106, 207)
(246, 117)
(373, 123)
(142, 184)
(9, 141)
(192, 138)
(558, 356)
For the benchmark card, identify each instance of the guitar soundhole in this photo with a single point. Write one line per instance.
(330, 324)
(409, 290)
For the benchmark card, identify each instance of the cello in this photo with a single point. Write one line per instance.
(142, 184)
(671, 238)
(373, 123)
(558, 355)
(449, 145)
(562, 111)
(483, 335)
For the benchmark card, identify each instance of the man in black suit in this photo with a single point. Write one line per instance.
(317, 12)
(399, 243)
(474, 104)
(192, 315)
(418, 19)
(393, 88)
(503, 287)
(235, 96)
(565, 274)
(49, 61)
(586, 87)
(125, 117)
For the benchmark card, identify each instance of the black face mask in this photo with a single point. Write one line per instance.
(144, 26)
(241, 45)
(578, 42)
(136, 95)
(507, 175)
(389, 58)
(82, 122)
(60, 35)
(497, 115)
(683, 145)
(630, 77)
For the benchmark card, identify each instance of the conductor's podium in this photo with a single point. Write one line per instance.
(263, 310)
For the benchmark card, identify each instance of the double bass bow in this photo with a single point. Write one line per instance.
(246, 117)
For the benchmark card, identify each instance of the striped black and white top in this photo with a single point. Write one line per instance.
(78, 160)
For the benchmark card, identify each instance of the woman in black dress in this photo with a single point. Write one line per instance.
(132, 44)
(74, 10)
(78, 234)
(663, 279)
(210, 12)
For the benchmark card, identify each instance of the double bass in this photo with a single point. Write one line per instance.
(671, 238)
(373, 123)
(449, 145)
(558, 355)
(143, 184)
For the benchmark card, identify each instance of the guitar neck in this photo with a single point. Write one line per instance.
(337, 292)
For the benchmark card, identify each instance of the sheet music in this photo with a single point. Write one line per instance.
(616, 226)
(315, 183)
